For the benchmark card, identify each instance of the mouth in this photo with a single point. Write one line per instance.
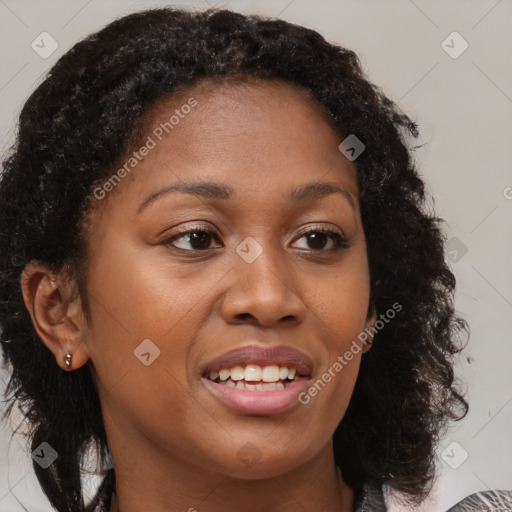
(258, 381)
(253, 377)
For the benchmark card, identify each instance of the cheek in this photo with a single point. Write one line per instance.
(144, 320)
(340, 303)
(135, 311)
(340, 306)
(139, 295)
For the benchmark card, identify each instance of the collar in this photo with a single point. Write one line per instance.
(369, 499)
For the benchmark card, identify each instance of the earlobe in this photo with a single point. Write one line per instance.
(55, 310)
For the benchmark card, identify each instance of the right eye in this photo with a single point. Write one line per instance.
(192, 240)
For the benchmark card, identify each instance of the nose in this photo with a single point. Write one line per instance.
(263, 292)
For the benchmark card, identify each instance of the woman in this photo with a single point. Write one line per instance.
(217, 269)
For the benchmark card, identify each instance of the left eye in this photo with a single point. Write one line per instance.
(317, 238)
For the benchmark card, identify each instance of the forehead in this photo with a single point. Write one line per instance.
(255, 122)
(261, 137)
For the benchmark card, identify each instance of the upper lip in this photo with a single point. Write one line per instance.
(262, 356)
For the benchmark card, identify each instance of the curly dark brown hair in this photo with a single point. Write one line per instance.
(88, 113)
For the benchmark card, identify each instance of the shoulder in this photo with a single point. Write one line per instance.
(371, 499)
(485, 501)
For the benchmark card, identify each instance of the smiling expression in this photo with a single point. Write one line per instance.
(253, 169)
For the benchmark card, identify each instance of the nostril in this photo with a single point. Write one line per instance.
(244, 316)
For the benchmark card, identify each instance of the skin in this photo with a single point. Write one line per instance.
(173, 443)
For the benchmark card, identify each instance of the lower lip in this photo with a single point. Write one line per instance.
(261, 403)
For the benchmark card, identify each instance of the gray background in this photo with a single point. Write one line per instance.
(463, 106)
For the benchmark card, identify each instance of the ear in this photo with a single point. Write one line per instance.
(369, 329)
(56, 311)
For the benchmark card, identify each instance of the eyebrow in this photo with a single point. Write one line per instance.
(318, 189)
(208, 189)
(211, 190)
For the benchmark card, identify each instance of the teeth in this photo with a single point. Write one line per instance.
(254, 373)
(270, 374)
(224, 374)
(262, 386)
(237, 373)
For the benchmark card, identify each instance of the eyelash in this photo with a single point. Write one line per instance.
(340, 241)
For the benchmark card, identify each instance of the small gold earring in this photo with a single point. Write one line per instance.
(67, 359)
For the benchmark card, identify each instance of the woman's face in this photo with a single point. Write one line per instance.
(248, 289)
